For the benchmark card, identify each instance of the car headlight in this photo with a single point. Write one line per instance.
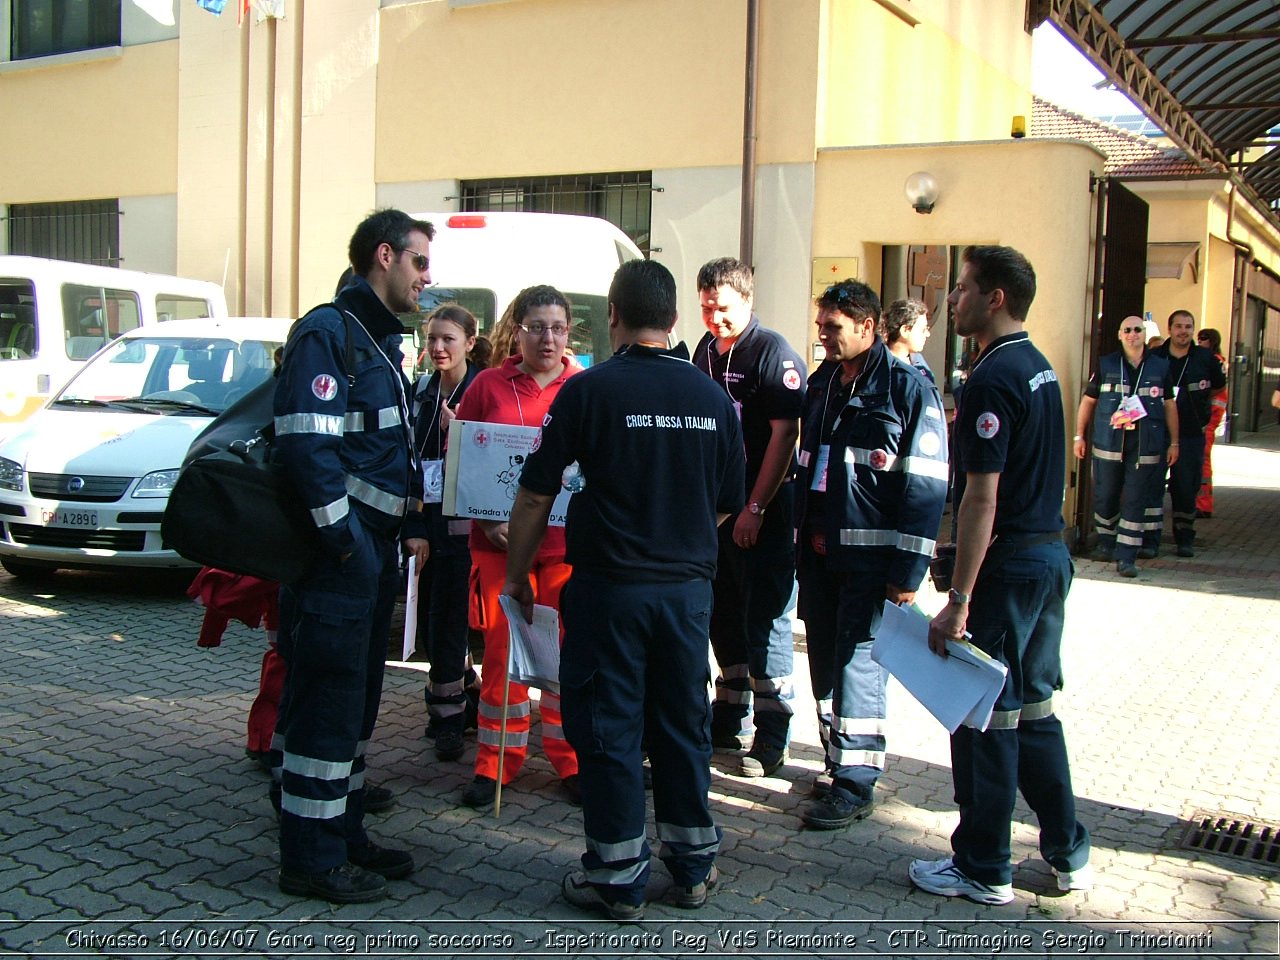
(158, 484)
(10, 475)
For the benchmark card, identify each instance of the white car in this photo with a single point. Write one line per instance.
(84, 481)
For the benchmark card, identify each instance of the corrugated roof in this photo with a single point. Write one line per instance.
(1128, 154)
(1208, 71)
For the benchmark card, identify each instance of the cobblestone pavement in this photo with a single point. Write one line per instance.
(128, 809)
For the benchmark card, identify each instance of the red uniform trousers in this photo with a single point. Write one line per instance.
(488, 573)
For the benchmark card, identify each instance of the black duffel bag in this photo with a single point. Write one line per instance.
(232, 508)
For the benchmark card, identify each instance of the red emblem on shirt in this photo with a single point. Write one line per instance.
(324, 387)
(988, 425)
(537, 442)
(878, 459)
(791, 380)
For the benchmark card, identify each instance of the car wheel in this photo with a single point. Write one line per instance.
(27, 569)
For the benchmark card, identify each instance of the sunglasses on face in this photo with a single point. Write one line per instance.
(420, 261)
(1130, 329)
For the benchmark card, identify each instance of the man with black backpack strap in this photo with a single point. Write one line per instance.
(342, 433)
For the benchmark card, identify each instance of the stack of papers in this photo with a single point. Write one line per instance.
(534, 657)
(957, 689)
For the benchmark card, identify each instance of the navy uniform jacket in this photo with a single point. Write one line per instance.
(341, 441)
(1195, 378)
(660, 450)
(430, 444)
(886, 476)
(1010, 422)
(1115, 380)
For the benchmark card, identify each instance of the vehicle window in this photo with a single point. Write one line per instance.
(19, 337)
(476, 299)
(170, 306)
(590, 337)
(93, 315)
(211, 372)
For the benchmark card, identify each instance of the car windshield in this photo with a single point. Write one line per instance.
(170, 374)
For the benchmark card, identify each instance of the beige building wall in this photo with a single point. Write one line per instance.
(1029, 194)
(106, 126)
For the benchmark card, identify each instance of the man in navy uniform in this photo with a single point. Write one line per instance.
(873, 456)
(1008, 589)
(755, 579)
(660, 452)
(1130, 405)
(1196, 375)
(343, 435)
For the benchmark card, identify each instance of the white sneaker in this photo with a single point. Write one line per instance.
(945, 879)
(1081, 879)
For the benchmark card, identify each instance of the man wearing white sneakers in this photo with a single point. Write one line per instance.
(1009, 590)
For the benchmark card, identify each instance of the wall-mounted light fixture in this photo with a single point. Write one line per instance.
(922, 191)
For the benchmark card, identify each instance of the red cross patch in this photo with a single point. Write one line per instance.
(324, 387)
(988, 425)
(481, 438)
(878, 459)
(791, 380)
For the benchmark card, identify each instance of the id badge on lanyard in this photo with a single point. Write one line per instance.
(820, 469)
(432, 481)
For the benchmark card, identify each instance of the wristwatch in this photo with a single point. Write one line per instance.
(755, 508)
(955, 596)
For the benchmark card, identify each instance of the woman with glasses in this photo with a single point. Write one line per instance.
(904, 327)
(519, 391)
(1211, 340)
(450, 336)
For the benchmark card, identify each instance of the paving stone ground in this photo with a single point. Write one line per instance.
(128, 810)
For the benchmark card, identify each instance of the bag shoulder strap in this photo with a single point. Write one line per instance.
(349, 359)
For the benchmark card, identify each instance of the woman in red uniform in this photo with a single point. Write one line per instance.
(519, 391)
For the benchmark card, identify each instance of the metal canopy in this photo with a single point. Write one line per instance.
(1207, 71)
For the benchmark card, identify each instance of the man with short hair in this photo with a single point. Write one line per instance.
(1196, 375)
(755, 578)
(1130, 406)
(343, 435)
(873, 484)
(660, 452)
(1008, 590)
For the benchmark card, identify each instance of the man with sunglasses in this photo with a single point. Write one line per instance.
(343, 436)
(1129, 401)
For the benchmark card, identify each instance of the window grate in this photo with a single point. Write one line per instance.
(1229, 835)
(624, 199)
(82, 231)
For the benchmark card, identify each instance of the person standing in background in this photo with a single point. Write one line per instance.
(1211, 340)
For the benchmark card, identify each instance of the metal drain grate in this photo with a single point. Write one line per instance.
(1229, 835)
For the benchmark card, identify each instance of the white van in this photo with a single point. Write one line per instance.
(482, 260)
(54, 315)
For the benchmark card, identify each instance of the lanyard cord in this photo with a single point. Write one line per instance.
(728, 362)
(435, 413)
(519, 408)
(397, 377)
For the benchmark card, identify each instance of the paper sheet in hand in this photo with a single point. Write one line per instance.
(957, 689)
(535, 647)
(410, 610)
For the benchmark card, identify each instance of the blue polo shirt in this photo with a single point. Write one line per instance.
(660, 450)
(1010, 421)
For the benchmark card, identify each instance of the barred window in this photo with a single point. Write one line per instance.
(83, 231)
(624, 199)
